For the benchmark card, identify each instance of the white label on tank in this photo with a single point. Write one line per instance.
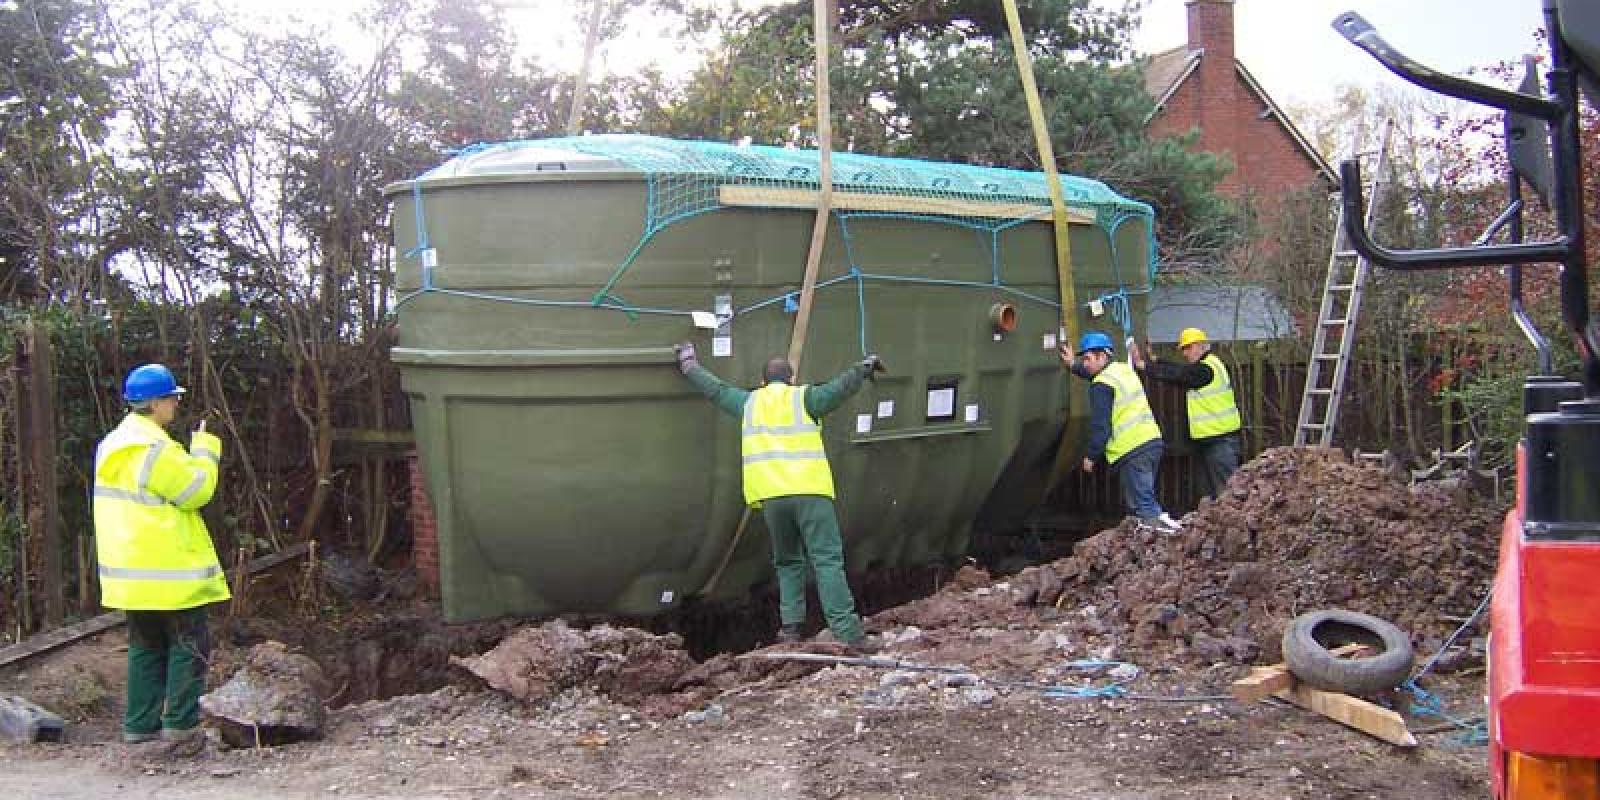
(430, 258)
(666, 596)
(1096, 308)
(722, 346)
(999, 336)
(704, 319)
(972, 413)
(863, 423)
(1049, 341)
(885, 409)
(941, 402)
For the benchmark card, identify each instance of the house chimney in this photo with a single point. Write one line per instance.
(1211, 29)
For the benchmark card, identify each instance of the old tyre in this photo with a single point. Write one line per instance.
(1309, 640)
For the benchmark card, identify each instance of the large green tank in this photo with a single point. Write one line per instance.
(572, 469)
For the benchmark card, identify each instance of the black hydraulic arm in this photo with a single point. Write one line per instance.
(1561, 113)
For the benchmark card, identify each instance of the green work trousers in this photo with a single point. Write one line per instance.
(805, 530)
(167, 655)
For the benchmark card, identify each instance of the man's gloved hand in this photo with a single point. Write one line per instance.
(686, 357)
(872, 365)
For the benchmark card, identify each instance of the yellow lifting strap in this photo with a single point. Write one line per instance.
(1058, 206)
(819, 227)
(1047, 158)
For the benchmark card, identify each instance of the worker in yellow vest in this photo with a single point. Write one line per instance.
(1214, 420)
(786, 475)
(156, 558)
(1122, 429)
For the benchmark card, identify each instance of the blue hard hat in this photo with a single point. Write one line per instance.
(148, 383)
(1095, 340)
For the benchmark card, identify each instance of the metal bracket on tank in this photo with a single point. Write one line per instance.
(722, 337)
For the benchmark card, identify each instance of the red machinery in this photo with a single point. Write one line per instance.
(1544, 644)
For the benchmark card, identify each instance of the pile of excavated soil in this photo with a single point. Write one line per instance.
(1295, 530)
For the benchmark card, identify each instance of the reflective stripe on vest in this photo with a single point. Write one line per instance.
(1132, 423)
(1213, 411)
(153, 555)
(782, 446)
(197, 574)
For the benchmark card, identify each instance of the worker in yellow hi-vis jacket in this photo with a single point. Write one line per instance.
(1213, 411)
(157, 561)
(786, 475)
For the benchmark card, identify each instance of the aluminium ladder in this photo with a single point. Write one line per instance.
(1333, 341)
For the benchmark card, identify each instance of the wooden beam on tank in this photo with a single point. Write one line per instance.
(769, 197)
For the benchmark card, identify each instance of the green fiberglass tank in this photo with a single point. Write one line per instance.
(573, 469)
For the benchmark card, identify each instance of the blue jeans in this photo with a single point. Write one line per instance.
(1219, 456)
(1137, 473)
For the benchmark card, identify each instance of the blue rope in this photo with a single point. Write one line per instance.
(608, 303)
(1116, 303)
(994, 255)
(1117, 688)
(861, 305)
(1426, 704)
(420, 251)
(965, 284)
(789, 295)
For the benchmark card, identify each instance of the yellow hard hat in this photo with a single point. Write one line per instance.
(1191, 336)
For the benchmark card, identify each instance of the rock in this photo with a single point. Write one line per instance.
(970, 577)
(898, 677)
(979, 696)
(536, 663)
(956, 680)
(274, 698)
(532, 664)
(711, 713)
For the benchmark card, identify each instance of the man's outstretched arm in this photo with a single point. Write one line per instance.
(730, 399)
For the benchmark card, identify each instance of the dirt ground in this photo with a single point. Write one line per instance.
(967, 710)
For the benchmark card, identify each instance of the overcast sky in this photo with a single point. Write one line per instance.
(1287, 44)
(1292, 49)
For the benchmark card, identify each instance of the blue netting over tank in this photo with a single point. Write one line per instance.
(688, 178)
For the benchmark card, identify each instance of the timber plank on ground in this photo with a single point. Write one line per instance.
(1277, 681)
(1354, 712)
(67, 634)
(1263, 682)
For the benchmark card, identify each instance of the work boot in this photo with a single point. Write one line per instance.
(130, 737)
(865, 646)
(184, 743)
(789, 633)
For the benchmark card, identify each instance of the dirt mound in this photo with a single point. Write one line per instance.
(365, 654)
(1296, 530)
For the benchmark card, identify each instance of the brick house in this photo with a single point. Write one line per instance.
(1201, 85)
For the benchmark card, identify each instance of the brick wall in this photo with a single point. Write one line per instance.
(424, 531)
(1217, 100)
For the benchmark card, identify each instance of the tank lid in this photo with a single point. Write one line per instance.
(508, 159)
(717, 163)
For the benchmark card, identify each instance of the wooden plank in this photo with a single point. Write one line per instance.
(768, 197)
(50, 640)
(1354, 712)
(1262, 682)
(1265, 681)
